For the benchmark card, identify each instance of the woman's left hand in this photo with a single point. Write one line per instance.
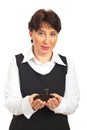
(52, 103)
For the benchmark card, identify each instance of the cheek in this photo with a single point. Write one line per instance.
(53, 43)
(36, 40)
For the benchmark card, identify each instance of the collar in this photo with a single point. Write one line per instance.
(30, 56)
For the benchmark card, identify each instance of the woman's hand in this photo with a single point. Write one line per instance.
(52, 103)
(36, 104)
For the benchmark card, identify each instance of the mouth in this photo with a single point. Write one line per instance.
(45, 47)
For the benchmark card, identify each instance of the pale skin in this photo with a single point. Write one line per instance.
(44, 40)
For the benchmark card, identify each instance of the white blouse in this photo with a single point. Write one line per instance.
(17, 105)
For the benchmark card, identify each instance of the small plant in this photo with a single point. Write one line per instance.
(46, 91)
(44, 97)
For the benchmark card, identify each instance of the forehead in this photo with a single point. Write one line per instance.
(45, 25)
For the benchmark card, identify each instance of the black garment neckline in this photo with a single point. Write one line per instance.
(53, 69)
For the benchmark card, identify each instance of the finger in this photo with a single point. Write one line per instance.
(35, 104)
(58, 97)
(38, 104)
(31, 98)
(48, 103)
(54, 103)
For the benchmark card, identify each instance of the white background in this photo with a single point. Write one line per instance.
(14, 16)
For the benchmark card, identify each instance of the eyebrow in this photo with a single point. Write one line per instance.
(53, 31)
(40, 30)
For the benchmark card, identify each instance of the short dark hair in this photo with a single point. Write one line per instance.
(48, 16)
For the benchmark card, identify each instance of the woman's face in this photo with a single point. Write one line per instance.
(44, 39)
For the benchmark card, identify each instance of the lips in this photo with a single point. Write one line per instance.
(45, 47)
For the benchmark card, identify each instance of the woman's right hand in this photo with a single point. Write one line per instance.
(36, 104)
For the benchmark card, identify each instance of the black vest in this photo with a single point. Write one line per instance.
(34, 82)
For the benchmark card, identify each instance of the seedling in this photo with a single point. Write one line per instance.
(46, 91)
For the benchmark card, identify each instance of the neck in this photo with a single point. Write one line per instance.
(43, 59)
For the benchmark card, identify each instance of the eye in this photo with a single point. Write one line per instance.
(53, 34)
(40, 32)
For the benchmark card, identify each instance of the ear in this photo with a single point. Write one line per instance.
(30, 33)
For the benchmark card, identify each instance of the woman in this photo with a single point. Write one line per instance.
(41, 88)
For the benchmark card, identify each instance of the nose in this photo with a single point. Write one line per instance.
(46, 39)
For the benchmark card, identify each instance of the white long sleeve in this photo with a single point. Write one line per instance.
(72, 95)
(13, 98)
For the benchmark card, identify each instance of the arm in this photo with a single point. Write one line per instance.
(69, 103)
(14, 101)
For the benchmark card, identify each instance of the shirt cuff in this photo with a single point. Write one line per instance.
(66, 106)
(26, 107)
(61, 108)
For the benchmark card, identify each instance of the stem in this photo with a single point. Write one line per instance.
(46, 90)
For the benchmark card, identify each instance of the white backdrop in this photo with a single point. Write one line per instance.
(14, 16)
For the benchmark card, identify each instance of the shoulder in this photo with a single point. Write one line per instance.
(13, 60)
(70, 65)
(63, 58)
(68, 61)
(19, 57)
